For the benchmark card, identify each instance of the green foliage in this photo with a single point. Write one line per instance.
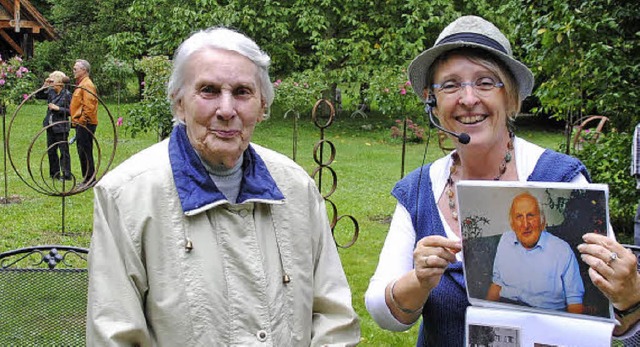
(584, 54)
(299, 91)
(153, 113)
(115, 74)
(608, 161)
(390, 92)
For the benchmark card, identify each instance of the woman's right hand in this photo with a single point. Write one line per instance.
(431, 257)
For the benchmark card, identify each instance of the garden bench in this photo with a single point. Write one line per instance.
(43, 296)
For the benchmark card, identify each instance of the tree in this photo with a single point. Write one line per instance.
(585, 56)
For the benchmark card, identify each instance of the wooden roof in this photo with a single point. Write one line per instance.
(18, 17)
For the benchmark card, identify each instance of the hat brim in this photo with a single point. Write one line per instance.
(422, 63)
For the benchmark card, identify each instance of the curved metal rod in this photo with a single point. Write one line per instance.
(45, 188)
(317, 150)
(356, 232)
(332, 113)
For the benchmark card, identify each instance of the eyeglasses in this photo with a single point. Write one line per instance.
(482, 86)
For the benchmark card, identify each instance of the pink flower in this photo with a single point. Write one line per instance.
(403, 91)
(142, 83)
(407, 83)
(2, 82)
(25, 96)
(119, 122)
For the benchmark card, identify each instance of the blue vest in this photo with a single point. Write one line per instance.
(443, 316)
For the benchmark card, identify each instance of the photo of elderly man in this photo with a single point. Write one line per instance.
(532, 267)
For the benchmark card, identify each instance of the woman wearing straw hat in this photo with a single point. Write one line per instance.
(474, 86)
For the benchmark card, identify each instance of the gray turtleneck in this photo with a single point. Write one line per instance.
(226, 179)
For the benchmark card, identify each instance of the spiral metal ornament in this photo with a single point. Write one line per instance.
(318, 157)
(34, 171)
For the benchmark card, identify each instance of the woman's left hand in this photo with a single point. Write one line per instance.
(612, 268)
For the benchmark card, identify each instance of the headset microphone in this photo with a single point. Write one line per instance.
(430, 103)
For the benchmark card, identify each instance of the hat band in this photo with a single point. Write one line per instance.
(473, 38)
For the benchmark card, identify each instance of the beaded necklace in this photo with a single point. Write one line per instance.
(450, 190)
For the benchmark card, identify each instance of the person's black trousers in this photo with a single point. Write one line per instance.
(59, 164)
(84, 141)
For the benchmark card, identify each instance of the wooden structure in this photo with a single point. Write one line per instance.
(20, 25)
(584, 132)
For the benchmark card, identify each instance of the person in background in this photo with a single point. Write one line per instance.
(533, 267)
(473, 85)
(84, 117)
(208, 239)
(56, 121)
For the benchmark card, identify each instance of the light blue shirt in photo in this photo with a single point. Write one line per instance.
(546, 276)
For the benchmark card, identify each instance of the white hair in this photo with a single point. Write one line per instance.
(218, 38)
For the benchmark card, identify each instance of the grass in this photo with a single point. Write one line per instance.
(367, 165)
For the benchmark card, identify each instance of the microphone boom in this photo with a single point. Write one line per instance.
(463, 138)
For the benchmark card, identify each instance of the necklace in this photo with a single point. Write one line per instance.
(450, 190)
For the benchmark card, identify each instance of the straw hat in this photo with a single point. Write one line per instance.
(470, 31)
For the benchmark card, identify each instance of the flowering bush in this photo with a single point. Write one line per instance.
(390, 92)
(415, 133)
(14, 82)
(298, 92)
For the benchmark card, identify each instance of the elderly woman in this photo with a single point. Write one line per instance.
(207, 239)
(475, 87)
(56, 121)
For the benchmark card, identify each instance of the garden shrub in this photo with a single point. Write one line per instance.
(154, 112)
(16, 81)
(299, 92)
(608, 161)
(390, 93)
(414, 131)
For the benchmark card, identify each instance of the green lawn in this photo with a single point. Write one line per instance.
(367, 165)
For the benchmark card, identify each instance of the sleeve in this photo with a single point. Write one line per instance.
(396, 258)
(334, 321)
(117, 281)
(574, 288)
(64, 104)
(631, 336)
(75, 108)
(89, 103)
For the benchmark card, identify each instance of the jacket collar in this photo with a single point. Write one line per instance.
(196, 189)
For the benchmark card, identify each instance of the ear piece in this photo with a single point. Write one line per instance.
(431, 101)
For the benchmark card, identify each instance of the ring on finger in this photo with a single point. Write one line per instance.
(612, 257)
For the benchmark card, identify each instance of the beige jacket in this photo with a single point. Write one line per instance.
(145, 289)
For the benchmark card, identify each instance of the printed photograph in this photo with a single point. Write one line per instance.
(520, 244)
(492, 336)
